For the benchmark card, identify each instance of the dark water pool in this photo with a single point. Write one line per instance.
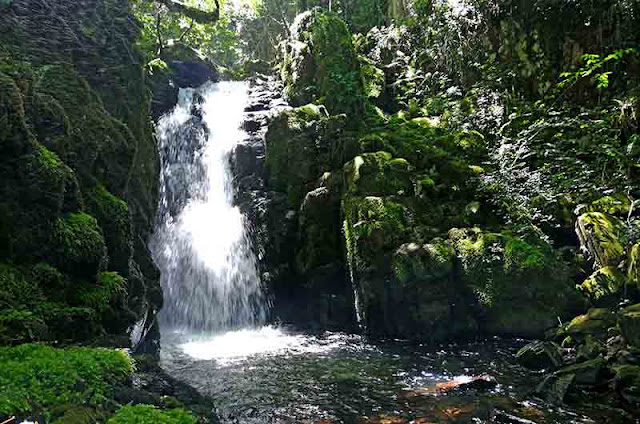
(272, 375)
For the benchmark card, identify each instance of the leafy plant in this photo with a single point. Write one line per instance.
(596, 68)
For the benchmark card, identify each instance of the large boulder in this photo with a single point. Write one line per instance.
(601, 236)
(604, 286)
(319, 64)
(520, 283)
(540, 355)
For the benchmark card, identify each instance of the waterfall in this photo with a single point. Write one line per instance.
(208, 270)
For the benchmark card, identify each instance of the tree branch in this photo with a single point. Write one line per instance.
(198, 15)
(186, 31)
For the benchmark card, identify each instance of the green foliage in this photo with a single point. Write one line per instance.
(148, 414)
(35, 376)
(326, 70)
(595, 67)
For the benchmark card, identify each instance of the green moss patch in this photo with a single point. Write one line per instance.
(602, 235)
(320, 64)
(519, 282)
(36, 377)
(148, 414)
(80, 244)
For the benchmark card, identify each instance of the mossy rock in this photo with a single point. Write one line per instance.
(589, 372)
(602, 235)
(376, 224)
(378, 174)
(37, 191)
(36, 377)
(41, 304)
(617, 204)
(319, 230)
(98, 145)
(320, 65)
(79, 245)
(627, 382)
(302, 144)
(603, 285)
(149, 414)
(595, 322)
(114, 217)
(520, 282)
(629, 322)
(540, 355)
(13, 128)
(412, 293)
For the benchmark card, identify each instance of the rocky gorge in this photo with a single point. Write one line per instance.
(433, 195)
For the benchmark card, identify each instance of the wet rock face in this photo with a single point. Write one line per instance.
(297, 240)
(187, 68)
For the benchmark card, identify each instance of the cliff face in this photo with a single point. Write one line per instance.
(78, 172)
(403, 182)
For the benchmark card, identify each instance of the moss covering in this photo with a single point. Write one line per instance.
(41, 303)
(378, 174)
(95, 138)
(35, 377)
(629, 322)
(617, 204)
(302, 144)
(520, 283)
(149, 414)
(602, 234)
(595, 322)
(603, 284)
(13, 129)
(114, 217)
(80, 246)
(320, 64)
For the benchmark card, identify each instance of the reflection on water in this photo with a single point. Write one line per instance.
(267, 341)
(272, 375)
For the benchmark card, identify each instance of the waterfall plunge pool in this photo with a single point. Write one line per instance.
(275, 375)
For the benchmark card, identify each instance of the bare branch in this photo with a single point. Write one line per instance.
(198, 15)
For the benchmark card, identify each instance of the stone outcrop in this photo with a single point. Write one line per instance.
(78, 170)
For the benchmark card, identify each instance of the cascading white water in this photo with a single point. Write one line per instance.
(208, 271)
